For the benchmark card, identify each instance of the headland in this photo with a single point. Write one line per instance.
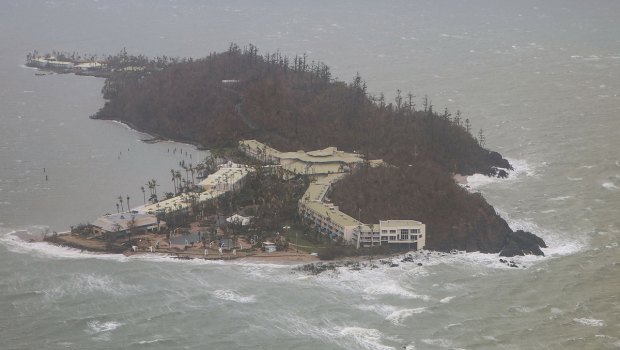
(290, 104)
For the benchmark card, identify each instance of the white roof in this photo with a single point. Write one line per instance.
(239, 219)
(89, 65)
(122, 221)
(229, 174)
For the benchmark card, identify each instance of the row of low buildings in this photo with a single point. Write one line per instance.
(327, 166)
(54, 64)
(321, 162)
(229, 177)
(328, 219)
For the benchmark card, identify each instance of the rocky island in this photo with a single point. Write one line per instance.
(292, 104)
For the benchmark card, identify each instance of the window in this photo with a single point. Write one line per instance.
(383, 231)
(392, 238)
(392, 231)
(415, 230)
(404, 234)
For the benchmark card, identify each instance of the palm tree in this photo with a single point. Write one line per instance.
(120, 199)
(128, 208)
(151, 187)
(154, 186)
(143, 194)
(200, 168)
(177, 175)
(191, 170)
(174, 183)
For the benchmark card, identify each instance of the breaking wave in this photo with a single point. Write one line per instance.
(521, 168)
(347, 337)
(229, 295)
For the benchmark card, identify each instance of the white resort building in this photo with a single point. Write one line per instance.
(408, 233)
(321, 162)
(328, 219)
(229, 177)
(122, 223)
(326, 167)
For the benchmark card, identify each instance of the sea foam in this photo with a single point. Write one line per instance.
(521, 168)
(229, 295)
(95, 327)
(347, 337)
(589, 322)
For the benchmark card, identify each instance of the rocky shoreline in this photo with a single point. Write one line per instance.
(419, 258)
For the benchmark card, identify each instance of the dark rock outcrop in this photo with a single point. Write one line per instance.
(522, 243)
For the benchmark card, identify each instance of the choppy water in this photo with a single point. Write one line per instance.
(541, 79)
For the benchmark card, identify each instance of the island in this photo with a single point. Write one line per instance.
(325, 162)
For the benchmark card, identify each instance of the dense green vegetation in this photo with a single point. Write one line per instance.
(293, 104)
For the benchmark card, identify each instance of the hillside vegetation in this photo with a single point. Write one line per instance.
(293, 104)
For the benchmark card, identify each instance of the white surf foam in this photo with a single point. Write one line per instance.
(589, 322)
(560, 198)
(391, 287)
(347, 337)
(397, 317)
(392, 313)
(364, 338)
(229, 295)
(88, 284)
(442, 343)
(95, 327)
(610, 186)
(559, 244)
(521, 168)
(446, 300)
(44, 249)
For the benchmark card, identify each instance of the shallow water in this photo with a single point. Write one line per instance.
(539, 77)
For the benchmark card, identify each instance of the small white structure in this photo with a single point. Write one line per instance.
(269, 247)
(122, 223)
(238, 219)
(59, 64)
(89, 66)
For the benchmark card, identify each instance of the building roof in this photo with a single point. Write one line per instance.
(122, 221)
(230, 173)
(399, 223)
(327, 155)
(333, 213)
(87, 65)
(181, 201)
(315, 192)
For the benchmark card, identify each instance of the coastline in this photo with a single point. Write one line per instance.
(73, 241)
(153, 136)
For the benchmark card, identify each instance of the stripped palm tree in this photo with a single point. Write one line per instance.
(174, 182)
(191, 170)
(177, 175)
(154, 186)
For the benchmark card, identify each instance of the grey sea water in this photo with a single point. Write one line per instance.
(539, 77)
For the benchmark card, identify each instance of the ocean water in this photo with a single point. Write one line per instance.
(540, 78)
